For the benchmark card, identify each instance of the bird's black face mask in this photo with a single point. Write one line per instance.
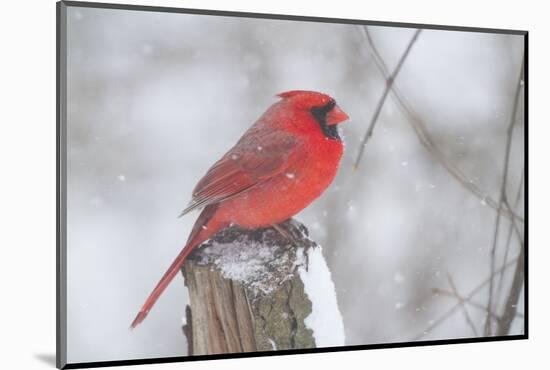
(320, 115)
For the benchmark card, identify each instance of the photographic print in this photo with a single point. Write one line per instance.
(238, 184)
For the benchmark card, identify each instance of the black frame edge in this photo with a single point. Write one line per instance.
(526, 198)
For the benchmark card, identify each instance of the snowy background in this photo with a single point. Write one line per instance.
(155, 98)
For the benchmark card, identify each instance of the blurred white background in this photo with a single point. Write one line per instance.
(155, 98)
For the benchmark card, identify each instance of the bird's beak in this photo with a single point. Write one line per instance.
(336, 115)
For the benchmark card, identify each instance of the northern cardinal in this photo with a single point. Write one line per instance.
(277, 168)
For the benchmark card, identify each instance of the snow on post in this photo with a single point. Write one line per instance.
(260, 290)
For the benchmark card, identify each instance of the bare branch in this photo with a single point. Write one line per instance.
(426, 139)
(449, 313)
(510, 307)
(472, 303)
(462, 306)
(509, 236)
(514, 223)
(502, 198)
(389, 82)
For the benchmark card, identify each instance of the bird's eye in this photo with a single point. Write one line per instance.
(329, 106)
(322, 111)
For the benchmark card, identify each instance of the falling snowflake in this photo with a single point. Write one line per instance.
(146, 49)
(398, 278)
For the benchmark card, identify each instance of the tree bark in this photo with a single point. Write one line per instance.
(246, 293)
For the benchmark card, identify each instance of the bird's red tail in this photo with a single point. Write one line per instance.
(205, 227)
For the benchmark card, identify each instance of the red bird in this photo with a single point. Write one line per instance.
(277, 168)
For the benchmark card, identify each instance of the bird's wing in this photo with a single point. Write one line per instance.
(255, 158)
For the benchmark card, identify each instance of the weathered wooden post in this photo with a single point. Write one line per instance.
(260, 290)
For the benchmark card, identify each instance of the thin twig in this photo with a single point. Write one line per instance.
(448, 314)
(425, 137)
(462, 306)
(515, 226)
(504, 182)
(471, 303)
(509, 236)
(510, 307)
(389, 82)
